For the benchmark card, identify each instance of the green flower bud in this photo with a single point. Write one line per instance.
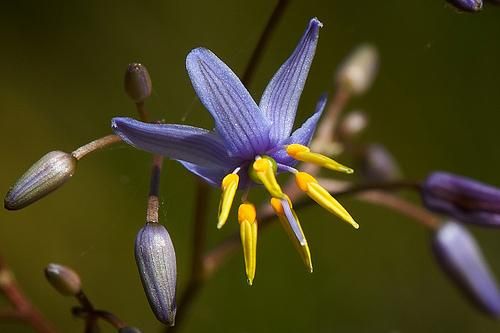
(45, 176)
(137, 82)
(65, 280)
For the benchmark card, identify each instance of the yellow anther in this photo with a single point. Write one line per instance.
(229, 187)
(302, 249)
(248, 234)
(315, 191)
(263, 170)
(304, 154)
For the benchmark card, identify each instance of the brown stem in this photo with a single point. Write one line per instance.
(258, 51)
(91, 324)
(154, 190)
(95, 145)
(326, 131)
(24, 310)
(141, 110)
(104, 315)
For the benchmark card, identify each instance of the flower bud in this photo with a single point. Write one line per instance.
(465, 199)
(460, 257)
(467, 5)
(65, 280)
(129, 329)
(378, 165)
(155, 257)
(358, 71)
(45, 176)
(352, 124)
(137, 82)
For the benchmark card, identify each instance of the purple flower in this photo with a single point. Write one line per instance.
(465, 199)
(250, 143)
(467, 5)
(461, 258)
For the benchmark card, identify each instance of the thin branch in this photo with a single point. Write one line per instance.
(23, 309)
(96, 145)
(259, 49)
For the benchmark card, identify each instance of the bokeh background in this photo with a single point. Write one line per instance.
(435, 105)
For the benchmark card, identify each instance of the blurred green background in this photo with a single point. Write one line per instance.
(435, 105)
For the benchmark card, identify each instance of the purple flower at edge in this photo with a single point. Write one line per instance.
(461, 258)
(465, 199)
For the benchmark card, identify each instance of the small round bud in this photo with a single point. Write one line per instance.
(155, 258)
(65, 280)
(467, 5)
(129, 329)
(358, 71)
(352, 124)
(137, 82)
(45, 176)
(378, 164)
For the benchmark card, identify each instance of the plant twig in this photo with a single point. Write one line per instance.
(258, 51)
(96, 145)
(23, 309)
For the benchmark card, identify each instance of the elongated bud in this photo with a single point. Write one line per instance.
(460, 257)
(378, 165)
(137, 82)
(45, 176)
(352, 125)
(129, 329)
(467, 5)
(465, 199)
(65, 280)
(358, 71)
(155, 257)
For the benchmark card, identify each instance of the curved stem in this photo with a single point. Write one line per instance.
(96, 145)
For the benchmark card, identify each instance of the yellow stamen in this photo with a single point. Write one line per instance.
(315, 191)
(248, 234)
(265, 173)
(304, 154)
(229, 187)
(302, 249)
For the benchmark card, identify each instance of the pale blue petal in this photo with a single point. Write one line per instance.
(179, 142)
(302, 135)
(213, 176)
(281, 97)
(294, 224)
(238, 119)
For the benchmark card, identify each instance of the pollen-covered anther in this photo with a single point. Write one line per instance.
(248, 233)
(315, 191)
(263, 170)
(292, 226)
(229, 186)
(304, 154)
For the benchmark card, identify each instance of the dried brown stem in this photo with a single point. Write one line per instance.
(23, 309)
